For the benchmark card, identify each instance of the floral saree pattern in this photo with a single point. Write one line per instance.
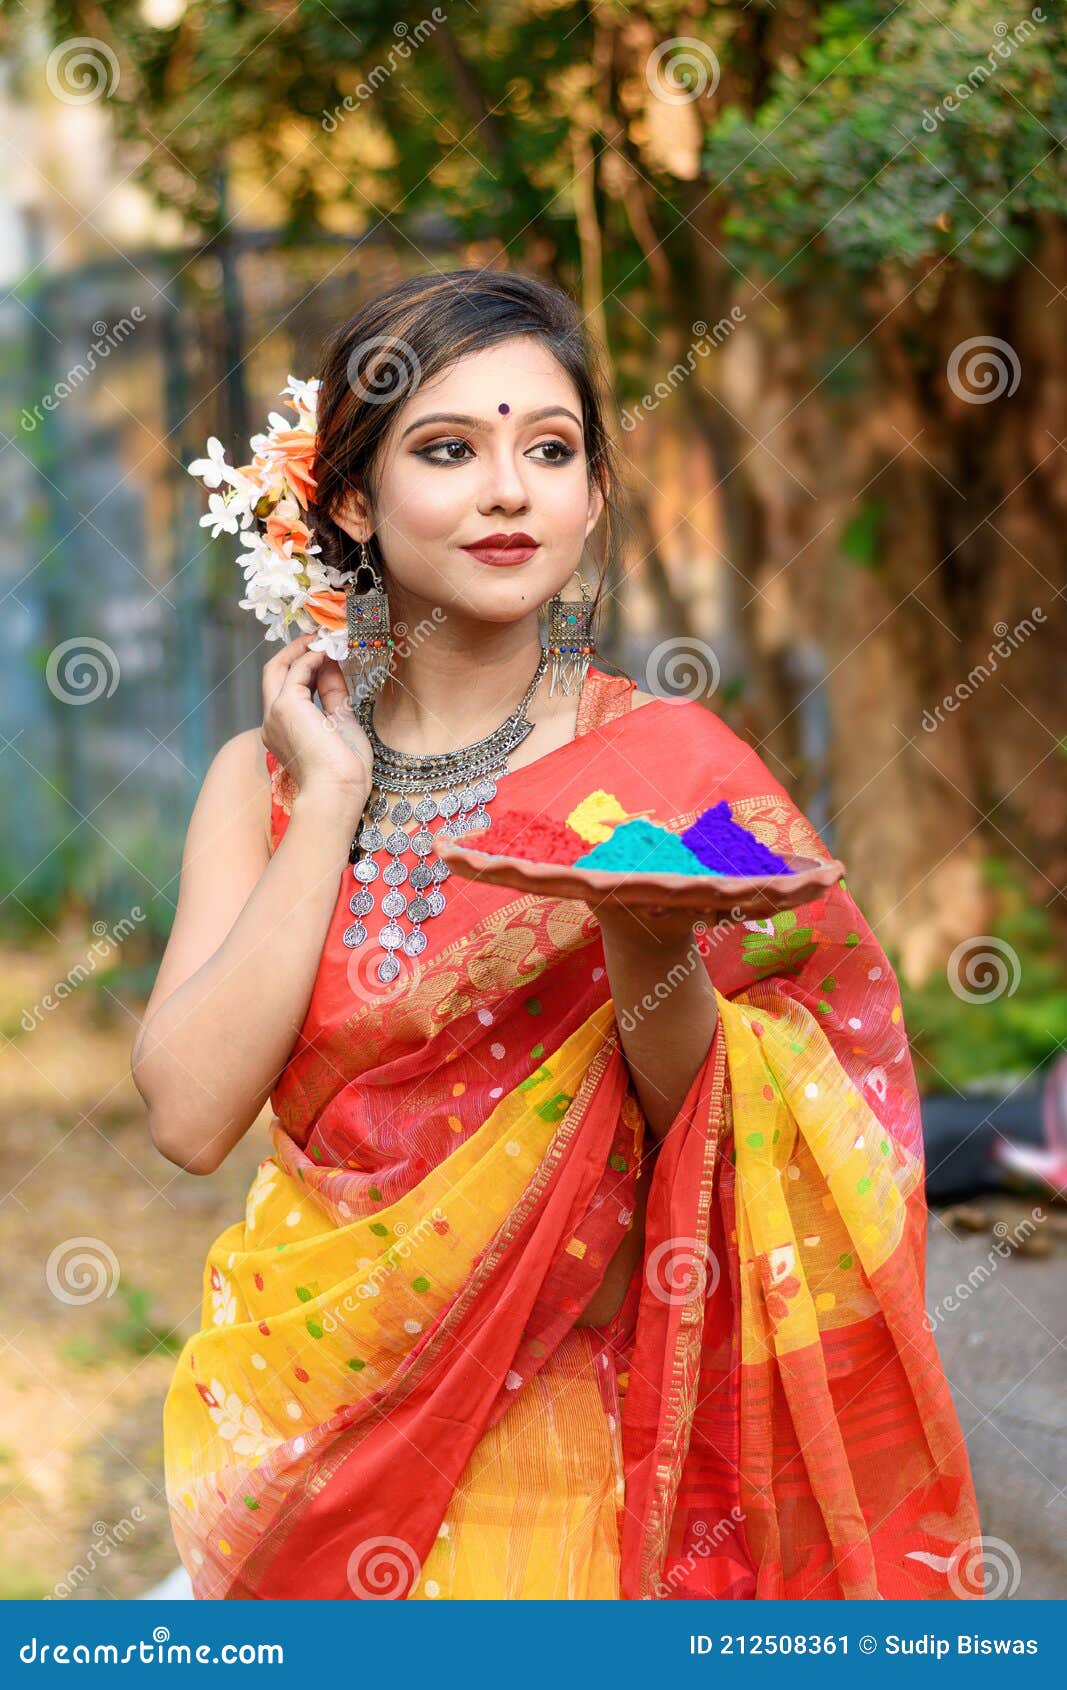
(390, 1395)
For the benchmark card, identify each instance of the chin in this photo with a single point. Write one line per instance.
(502, 594)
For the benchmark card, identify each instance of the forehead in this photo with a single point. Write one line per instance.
(521, 373)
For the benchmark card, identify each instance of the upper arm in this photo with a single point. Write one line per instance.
(227, 849)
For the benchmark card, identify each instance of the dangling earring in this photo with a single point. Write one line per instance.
(570, 639)
(370, 646)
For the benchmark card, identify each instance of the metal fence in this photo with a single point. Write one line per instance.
(130, 661)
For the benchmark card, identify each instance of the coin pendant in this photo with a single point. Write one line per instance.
(354, 935)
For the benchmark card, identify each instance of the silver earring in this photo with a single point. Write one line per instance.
(370, 646)
(570, 639)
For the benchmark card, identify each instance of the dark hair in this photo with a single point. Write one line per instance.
(412, 332)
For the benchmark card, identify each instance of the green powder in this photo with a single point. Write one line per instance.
(641, 847)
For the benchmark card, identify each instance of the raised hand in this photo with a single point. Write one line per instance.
(324, 748)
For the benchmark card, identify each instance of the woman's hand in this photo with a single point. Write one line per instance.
(666, 1010)
(651, 925)
(321, 749)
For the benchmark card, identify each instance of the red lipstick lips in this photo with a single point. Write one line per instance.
(503, 549)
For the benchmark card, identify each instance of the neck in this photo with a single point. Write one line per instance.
(454, 681)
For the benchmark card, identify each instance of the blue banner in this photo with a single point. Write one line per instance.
(506, 1645)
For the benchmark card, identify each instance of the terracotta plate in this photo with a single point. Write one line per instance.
(752, 894)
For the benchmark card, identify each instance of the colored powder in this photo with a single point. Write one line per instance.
(591, 818)
(723, 845)
(640, 847)
(520, 833)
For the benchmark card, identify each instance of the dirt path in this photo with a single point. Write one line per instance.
(82, 1508)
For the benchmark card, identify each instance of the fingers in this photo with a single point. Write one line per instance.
(332, 689)
(293, 665)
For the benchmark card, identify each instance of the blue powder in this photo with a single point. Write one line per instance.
(641, 846)
(725, 847)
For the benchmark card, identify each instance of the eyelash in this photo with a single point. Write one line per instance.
(425, 451)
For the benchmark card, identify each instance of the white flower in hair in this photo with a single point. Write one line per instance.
(278, 577)
(212, 470)
(245, 495)
(266, 505)
(333, 641)
(256, 556)
(220, 515)
(306, 393)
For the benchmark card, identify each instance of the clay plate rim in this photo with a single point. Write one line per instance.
(558, 878)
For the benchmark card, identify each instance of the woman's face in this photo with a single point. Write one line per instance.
(491, 446)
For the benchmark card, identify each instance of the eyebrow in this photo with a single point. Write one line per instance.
(479, 422)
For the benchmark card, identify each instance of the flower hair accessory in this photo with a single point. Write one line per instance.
(265, 504)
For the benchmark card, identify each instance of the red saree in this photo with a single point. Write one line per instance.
(388, 1366)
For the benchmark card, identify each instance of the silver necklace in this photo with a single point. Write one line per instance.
(469, 777)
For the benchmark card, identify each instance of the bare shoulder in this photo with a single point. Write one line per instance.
(640, 698)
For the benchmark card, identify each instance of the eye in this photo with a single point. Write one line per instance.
(561, 452)
(427, 452)
(566, 452)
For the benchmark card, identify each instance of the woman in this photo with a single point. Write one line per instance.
(589, 1259)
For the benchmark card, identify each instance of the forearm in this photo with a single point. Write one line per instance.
(209, 1056)
(665, 1010)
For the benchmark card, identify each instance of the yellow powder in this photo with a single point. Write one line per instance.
(589, 820)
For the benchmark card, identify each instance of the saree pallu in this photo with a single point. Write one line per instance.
(389, 1395)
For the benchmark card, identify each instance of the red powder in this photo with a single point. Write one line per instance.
(519, 833)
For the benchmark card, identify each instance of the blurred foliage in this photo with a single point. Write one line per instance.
(1016, 1030)
(813, 138)
(861, 537)
(86, 878)
(132, 1333)
(901, 134)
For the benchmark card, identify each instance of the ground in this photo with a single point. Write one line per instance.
(82, 1509)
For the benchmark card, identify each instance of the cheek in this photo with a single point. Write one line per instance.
(565, 500)
(422, 505)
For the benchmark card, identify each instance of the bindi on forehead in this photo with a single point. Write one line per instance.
(503, 409)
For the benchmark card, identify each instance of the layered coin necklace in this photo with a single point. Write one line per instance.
(468, 778)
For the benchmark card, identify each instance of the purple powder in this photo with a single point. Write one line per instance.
(724, 846)
(642, 847)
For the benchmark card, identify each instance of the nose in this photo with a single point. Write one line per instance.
(504, 487)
